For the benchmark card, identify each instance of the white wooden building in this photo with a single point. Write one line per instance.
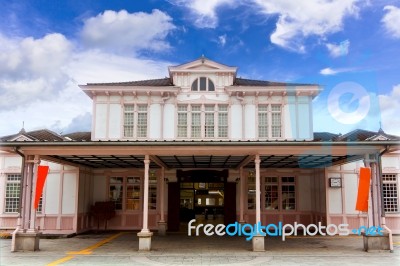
(201, 143)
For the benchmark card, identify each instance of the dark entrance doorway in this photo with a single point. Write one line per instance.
(204, 195)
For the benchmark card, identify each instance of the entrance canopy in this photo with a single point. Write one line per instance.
(201, 154)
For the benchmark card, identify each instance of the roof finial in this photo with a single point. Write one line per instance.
(202, 58)
(380, 127)
(22, 131)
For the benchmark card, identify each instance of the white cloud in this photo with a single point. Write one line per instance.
(391, 21)
(222, 40)
(333, 71)
(203, 12)
(300, 19)
(39, 78)
(390, 110)
(340, 49)
(32, 68)
(123, 31)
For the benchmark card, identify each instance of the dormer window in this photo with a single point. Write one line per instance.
(203, 84)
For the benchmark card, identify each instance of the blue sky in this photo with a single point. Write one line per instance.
(349, 47)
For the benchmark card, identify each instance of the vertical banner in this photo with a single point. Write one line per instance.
(42, 172)
(363, 189)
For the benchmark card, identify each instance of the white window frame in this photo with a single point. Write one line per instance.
(11, 202)
(391, 183)
(139, 109)
(270, 123)
(207, 88)
(217, 111)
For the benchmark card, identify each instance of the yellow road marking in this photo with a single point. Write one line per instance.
(85, 251)
(56, 262)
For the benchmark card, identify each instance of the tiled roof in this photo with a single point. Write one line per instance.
(148, 82)
(48, 135)
(325, 136)
(79, 136)
(253, 82)
(361, 135)
(167, 82)
(36, 135)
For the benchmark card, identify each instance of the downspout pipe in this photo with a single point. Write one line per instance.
(383, 214)
(21, 186)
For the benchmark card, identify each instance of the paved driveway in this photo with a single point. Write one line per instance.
(180, 249)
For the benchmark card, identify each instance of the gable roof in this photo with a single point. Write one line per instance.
(361, 135)
(35, 135)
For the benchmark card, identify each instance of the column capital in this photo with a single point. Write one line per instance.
(146, 161)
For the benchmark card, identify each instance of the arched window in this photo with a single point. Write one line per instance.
(203, 84)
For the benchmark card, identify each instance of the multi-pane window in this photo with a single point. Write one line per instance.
(288, 193)
(276, 121)
(12, 193)
(222, 121)
(390, 192)
(182, 121)
(251, 191)
(40, 205)
(196, 121)
(142, 121)
(135, 121)
(125, 192)
(270, 121)
(263, 121)
(280, 193)
(152, 191)
(116, 191)
(132, 193)
(209, 121)
(271, 193)
(129, 118)
(203, 84)
(202, 121)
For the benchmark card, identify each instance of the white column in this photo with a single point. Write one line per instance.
(258, 186)
(241, 200)
(145, 228)
(258, 239)
(145, 234)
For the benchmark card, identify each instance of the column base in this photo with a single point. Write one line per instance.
(258, 243)
(28, 241)
(162, 228)
(376, 243)
(145, 241)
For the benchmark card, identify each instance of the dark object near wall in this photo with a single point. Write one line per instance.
(103, 211)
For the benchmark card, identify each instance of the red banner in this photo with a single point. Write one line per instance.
(42, 172)
(363, 189)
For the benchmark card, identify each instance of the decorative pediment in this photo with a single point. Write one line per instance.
(378, 137)
(202, 64)
(21, 137)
